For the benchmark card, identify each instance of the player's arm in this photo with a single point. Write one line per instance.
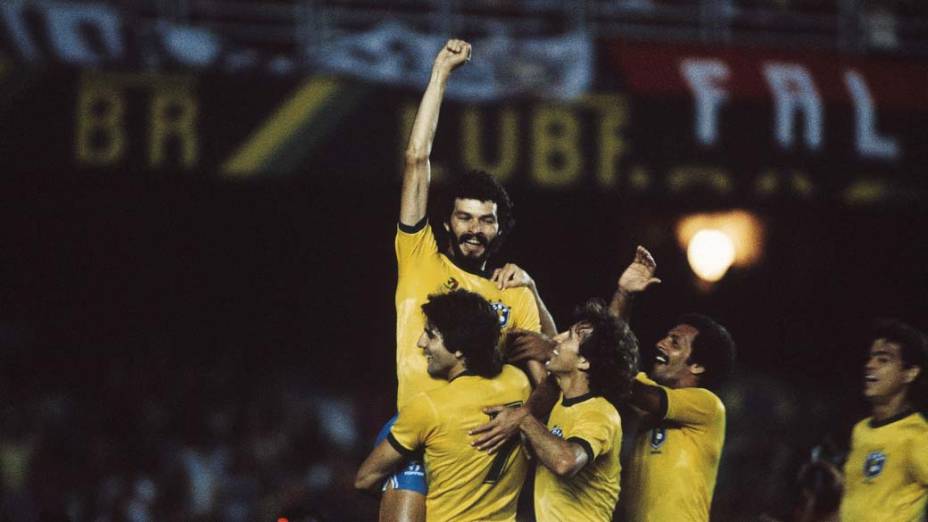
(505, 422)
(513, 276)
(381, 462)
(649, 398)
(563, 457)
(417, 171)
(635, 279)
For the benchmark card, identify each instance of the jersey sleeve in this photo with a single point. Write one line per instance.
(596, 432)
(919, 462)
(525, 313)
(414, 243)
(414, 425)
(693, 406)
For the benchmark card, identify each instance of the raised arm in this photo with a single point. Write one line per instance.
(416, 172)
(635, 279)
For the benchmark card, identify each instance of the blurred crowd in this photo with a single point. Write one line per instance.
(169, 435)
(158, 438)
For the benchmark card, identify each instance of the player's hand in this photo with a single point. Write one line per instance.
(451, 56)
(523, 345)
(503, 426)
(640, 274)
(511, 275)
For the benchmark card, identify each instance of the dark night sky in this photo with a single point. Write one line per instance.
(296, 274)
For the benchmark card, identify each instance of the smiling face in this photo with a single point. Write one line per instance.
(441, 362)
(672, 365)
(885, 374)
(473, 226)
(566, 358)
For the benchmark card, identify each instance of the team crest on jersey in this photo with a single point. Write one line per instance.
(452, 284)
(658, 437)
(873, 466)
(557, 432)
(503, 312)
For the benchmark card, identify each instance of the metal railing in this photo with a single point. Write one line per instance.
(850, 26)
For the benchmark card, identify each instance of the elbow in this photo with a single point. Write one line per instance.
(363, 482)
(565, 468)
(416, 155)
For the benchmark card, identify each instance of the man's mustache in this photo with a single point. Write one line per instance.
(478, 236)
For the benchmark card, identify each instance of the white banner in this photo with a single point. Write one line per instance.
(500, 66)
(100, 35)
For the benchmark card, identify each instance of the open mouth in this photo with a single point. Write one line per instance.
(869, 379)
(473, 240)
(660, 358)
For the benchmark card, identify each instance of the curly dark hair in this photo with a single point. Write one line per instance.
(913, 349)
(611, 349)
(481, 186)
(467, 324)
(713, 348)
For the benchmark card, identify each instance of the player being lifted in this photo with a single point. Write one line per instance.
(477, 220)
(459, 342)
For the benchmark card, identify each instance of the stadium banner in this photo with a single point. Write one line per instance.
(101, 35)
(626, 138)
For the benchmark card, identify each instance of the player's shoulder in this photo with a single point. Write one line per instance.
(917, 423)
(421, 228)
(706, 396)
(422, 401)
(862, 424)
(602, 407)
(513, 374)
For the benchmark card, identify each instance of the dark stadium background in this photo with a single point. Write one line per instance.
(148, 312)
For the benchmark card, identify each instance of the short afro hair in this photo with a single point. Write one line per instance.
(713, 348)
(468, 324)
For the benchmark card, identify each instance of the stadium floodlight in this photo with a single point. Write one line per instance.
(710, 253)
(726, 239)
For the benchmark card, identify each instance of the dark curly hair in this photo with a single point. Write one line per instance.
(467, 324)
(611, 349)
(713, 348)
(481, 186)
(913, 349)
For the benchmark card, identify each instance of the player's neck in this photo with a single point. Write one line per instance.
(573, 384)
(890, 407)
(455, 371)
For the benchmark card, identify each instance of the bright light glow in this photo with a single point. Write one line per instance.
(745, 229)
(710, 253)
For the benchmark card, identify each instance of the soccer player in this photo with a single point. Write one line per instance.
(674, 465)
(886, 473)
(578, 450)
(677, 451)
(460, 345)
(477, 220)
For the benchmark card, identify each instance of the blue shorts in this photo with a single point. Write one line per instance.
(411, 475)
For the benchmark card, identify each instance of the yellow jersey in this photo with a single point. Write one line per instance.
(465, 484)
(674, 465)
(886, 474)
(592, 493)
(423, 270)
